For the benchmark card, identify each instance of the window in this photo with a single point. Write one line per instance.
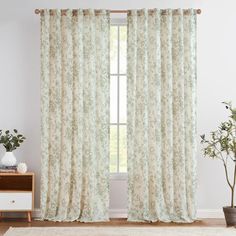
(118, 116)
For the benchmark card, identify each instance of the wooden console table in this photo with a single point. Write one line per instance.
(17, 193)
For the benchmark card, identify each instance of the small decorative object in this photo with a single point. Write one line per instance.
(10, 142)
(22, 168)
(222, 146)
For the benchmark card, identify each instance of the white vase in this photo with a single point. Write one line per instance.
(8, 159)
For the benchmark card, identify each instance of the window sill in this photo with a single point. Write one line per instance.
(118, 176)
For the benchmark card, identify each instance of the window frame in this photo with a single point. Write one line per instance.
(118, 175)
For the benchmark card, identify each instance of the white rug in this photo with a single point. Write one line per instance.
(121, 231)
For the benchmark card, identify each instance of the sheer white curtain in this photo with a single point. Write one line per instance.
(75, 115)
(161, 115)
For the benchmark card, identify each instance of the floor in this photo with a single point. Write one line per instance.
(6, 223)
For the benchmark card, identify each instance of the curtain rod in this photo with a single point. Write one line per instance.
(38, 11)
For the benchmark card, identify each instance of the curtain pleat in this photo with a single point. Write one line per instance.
(45, 85)
(161, 123)
(55, 98)
(190, 107)
(75, 115)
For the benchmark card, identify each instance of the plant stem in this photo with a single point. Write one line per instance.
(230, 185)
(227, 176)
(232, 195)
(232, 198)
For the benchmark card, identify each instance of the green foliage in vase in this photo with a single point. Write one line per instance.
(222, 145)
(11, 141)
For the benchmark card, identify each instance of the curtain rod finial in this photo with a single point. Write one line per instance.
(37, 11)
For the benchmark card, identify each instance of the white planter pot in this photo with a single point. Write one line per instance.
(8, 159)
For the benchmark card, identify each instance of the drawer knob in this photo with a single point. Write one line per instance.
(13, 201)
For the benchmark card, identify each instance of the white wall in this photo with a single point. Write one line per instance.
(20, 80)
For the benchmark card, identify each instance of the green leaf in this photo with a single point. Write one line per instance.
(11, 141)
(202, 136)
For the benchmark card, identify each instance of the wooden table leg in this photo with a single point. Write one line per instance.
(29, 216)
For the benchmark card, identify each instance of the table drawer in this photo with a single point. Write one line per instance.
(15, 201)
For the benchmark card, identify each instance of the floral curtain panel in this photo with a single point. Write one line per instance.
(161, 115)
(75, 115)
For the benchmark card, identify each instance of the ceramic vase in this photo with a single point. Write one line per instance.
(8, 159)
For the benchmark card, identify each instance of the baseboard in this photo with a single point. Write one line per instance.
(122, 213)
(118, 213)
(210, 213)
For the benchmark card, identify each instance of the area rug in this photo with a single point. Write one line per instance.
(121, 231)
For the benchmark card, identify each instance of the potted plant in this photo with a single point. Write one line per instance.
(10, 142)
(222, 146)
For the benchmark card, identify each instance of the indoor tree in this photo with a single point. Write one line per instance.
(222, 145)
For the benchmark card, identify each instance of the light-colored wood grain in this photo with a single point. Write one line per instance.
(29, 216)
(14, 174)
(33, 190)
